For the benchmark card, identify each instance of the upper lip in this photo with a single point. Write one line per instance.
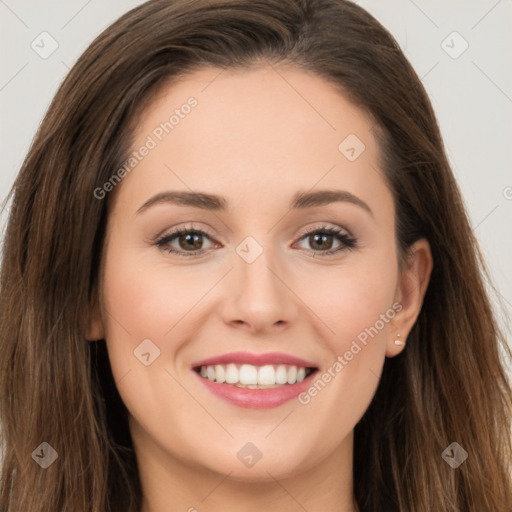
(255, 359)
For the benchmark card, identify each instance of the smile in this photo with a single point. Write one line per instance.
(256, 381)
(255, 377)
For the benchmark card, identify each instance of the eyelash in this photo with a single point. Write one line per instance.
(347, 241)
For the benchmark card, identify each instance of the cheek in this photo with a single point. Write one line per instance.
(353, 300)
(361, 308)
(145, 302)
(140, 304)
(356, 305)
(147, 299)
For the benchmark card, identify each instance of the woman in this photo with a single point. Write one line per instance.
(170, 344)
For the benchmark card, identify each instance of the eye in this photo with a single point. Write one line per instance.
(189, 241)
(320, 239)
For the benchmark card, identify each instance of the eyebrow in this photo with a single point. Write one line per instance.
(301, 200)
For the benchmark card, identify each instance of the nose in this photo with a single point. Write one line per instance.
(259, 296)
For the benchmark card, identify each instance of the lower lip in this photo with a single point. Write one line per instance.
(256, 398)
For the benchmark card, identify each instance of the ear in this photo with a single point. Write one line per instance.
(95, 329)
(411, 288)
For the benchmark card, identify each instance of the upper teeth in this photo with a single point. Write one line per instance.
(254, 376)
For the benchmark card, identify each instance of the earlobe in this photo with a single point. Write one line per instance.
(411, 288)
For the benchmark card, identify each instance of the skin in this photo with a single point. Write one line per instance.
(256, 137)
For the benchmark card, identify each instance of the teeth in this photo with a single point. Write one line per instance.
(220, 374)
(254, 377)
(231, 374)
(248, 374)
(281, 374)
(292, 375)
(266, 375)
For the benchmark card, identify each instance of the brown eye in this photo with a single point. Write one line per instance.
(320, 240)
(190, 241)
(185, 242)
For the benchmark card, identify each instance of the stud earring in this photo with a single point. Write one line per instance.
(399, 342)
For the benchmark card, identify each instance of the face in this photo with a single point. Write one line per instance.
(268, 282)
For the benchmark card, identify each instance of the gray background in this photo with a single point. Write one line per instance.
(471, 93)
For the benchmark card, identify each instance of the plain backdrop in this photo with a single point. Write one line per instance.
(461, 51)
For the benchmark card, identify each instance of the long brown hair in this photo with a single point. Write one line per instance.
(449, 385)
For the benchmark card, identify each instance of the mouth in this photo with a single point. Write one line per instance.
(248, 376)
(256, 381)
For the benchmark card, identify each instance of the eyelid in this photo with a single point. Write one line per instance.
(325, 227)
(189, 227)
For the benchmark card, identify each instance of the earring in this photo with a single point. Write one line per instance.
(399, 342)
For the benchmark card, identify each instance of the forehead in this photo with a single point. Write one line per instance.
(251, 130)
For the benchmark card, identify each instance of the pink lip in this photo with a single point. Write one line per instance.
(255, 359)
(256, 398)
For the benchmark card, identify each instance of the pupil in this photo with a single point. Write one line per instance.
(323, 237)
(190, 239)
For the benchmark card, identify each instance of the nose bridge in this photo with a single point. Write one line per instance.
(260, 297)
(253, 267)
